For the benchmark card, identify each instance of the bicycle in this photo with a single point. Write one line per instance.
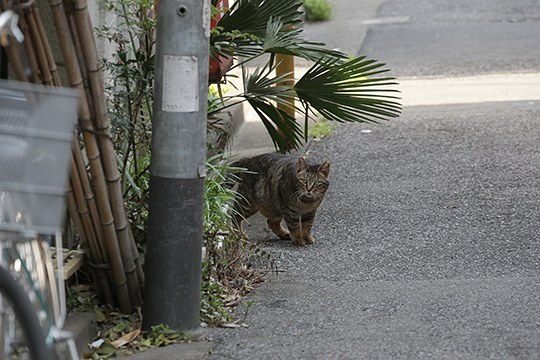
(36, 124)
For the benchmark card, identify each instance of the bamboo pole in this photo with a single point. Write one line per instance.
(47, 47)
(13, 51)
(102, 124)
(14, 58)
(68, 8)
(92, 148)
(82, 212)
(31, 58)
(76, 81)
(78, 222)
(86, 243)
(87, 227)
(38, 46)
(89, 199)
(107, 221)
(93, 226)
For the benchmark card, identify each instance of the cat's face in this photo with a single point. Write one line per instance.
(312, 180)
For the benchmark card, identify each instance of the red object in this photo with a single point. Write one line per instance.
(220, 65)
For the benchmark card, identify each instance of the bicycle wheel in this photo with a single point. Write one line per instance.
(15, 303)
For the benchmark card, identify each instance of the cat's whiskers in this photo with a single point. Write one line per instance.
(297, 196)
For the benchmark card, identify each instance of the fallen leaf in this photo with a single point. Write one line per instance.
(100, 316)
(126, 339)
(146, 343)
(106, 349)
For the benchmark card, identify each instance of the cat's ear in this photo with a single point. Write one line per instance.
(302, 164)
(325, 168)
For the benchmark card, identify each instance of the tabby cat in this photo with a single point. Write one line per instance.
(282, 187)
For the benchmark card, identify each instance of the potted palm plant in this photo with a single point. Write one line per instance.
(336, 87)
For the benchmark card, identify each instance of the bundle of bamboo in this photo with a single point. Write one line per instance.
(94, 201)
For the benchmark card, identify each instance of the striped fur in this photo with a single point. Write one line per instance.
(282, 187)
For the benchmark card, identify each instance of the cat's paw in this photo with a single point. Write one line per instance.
(286, 236)
(298, 242)
(309, 239)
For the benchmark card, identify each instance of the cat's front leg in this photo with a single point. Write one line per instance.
(295, 229)
(275, 226)
(307, 224)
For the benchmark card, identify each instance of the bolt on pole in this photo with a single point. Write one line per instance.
(175, 223)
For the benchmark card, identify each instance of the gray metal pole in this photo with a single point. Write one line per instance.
(175, 224)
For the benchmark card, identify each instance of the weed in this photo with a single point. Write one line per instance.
(321, 129)
(228, 273)
(317, 10)
(129, 92)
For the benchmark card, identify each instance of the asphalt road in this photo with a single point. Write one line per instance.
(427, 244)
(459, 37)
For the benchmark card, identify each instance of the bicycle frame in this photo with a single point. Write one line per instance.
(23, 198)
(36, 125)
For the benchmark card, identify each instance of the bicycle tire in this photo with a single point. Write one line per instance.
(26, 315)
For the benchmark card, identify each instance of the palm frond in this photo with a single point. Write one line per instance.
(252, 16)
(262, 85)
(278, 41)
(264, 92)
(315, 51)
(348, 91)
(285, 132)
(234, 43)
(243, 30)
(252, 28)
(274, 37)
